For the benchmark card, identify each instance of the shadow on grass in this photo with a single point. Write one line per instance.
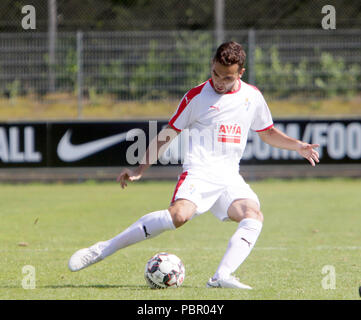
(94, 286)
(99, 286)
(89, 286)
(82, 286)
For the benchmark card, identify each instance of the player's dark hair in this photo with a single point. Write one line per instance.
(230, 53)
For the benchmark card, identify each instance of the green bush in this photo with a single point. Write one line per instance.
(14, 90)
(110, 79)
(330, 78)
(66, 71)
(195, 53)
(150, 76)
(336, 78)
(274, 76)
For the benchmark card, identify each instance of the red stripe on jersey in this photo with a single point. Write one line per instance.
(254, 87)
(179, 183)
(176, 129)
(229, 139)
(269, 127)
(185, 101)
(229, 136)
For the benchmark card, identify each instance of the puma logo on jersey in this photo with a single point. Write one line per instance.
(214, 108)
(229, 133)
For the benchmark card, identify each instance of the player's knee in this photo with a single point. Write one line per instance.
(181, 211)
(242, 209)
(254, 214)
(179, 217)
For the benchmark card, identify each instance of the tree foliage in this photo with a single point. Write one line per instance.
(179, 15)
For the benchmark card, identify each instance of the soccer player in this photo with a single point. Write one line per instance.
(218, 114)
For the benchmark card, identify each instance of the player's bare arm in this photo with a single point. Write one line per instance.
(278, 139)
(155, 149)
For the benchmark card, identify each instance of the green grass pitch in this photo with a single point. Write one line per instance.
(310, 226)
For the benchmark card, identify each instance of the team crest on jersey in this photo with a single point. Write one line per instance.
(191, 188)
(247, 104)
(230, 133)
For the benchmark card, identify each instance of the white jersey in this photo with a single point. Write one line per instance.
(218, 126)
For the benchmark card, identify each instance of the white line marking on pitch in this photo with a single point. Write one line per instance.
(187, 249)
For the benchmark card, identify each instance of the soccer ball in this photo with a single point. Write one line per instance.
(164, 270)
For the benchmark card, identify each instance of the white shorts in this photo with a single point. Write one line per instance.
(213, 196)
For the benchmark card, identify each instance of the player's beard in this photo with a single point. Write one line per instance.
(219, 90)
(224, 89)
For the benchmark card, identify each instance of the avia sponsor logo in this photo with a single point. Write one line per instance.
(337, 141)
(17, 145)
(229, 133)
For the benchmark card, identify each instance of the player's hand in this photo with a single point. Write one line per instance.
(128, 175)
(307, 151)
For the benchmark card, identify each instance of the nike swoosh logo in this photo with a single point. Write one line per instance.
(69, 152)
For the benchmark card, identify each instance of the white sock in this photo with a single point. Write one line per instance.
(148, 226)
(239, 247)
